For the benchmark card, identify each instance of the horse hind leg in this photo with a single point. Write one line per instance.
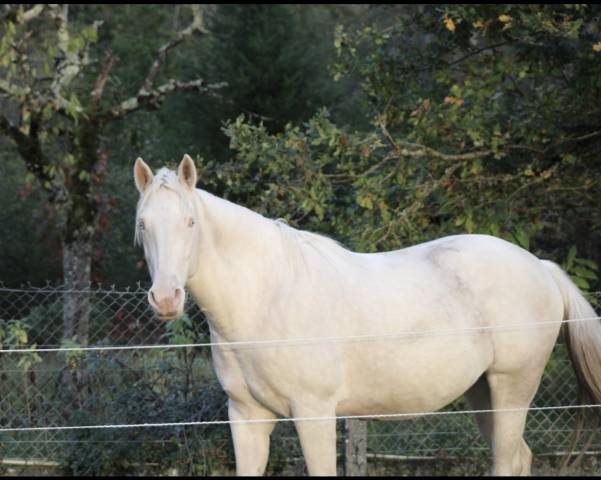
(478, 397)
(512, 392)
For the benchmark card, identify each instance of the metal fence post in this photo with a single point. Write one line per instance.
(355, 448)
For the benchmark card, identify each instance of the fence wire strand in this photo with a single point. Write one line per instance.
(381, 416)
(310, 341)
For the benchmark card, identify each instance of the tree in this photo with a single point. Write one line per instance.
(56, 113)
(262, 52)
(484, 119)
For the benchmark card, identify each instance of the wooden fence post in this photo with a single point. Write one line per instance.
(355, 448)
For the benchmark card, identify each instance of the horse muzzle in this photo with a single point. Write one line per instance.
(168, 304)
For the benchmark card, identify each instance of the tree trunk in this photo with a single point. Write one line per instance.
(77, 259)
(79, 229)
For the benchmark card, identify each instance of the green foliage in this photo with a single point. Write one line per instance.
(15, 334)
(45, 323)
(73, 357)
(61, 87)
(352, 186)
(516, 80)
(261, 52)
(582, 270)
(183, 331)
(28, 237)
(160, 392)
(483, 120)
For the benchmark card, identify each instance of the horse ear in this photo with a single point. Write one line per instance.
(142, 175)
(187, 172)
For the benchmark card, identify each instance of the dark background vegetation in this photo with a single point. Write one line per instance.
(382, 126)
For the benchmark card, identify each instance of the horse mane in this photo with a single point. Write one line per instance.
(315, 240)
(297, 244)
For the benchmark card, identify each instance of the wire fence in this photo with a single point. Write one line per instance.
(178, 385)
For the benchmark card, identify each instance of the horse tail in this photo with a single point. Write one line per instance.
(583, 338)
(583, 343)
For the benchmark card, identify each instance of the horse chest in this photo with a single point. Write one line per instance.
(273, 377)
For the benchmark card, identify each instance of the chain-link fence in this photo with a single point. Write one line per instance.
(179, 385)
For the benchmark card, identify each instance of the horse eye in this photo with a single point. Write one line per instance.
(141, 224)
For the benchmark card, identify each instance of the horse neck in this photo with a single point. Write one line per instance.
(236, 253)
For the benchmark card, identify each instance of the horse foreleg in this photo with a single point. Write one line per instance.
(251, 440)
(317, 439)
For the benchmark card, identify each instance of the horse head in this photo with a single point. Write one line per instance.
(167, 226)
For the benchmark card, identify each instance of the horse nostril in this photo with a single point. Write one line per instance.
(178, 294)
(153, 298)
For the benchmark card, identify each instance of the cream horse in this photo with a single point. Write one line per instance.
(260, 280)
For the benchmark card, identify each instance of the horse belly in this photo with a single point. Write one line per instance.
(412, 375)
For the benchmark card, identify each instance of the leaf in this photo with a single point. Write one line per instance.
(521, 238)
(460, 220)
(453, 101)
(495, 230)
(584, 273)
(90, 34)
(587, 263)
(580, 283)
(319, 211)
(570, 258)
(365, 201)
(469, 224)
(21, 336)
(449, 23)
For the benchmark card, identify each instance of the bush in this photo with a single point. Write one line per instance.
(125, 392)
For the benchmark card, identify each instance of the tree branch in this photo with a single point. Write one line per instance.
(30, 149)
(22, 92)
(154, 98)
(103, 76)
(71, 61)
(197, 25)
(415, 150)
(12, 14)
(151, 98)
(8, 128)
(68, 65)
(12, 90)
(476, 52)
(418, 150)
